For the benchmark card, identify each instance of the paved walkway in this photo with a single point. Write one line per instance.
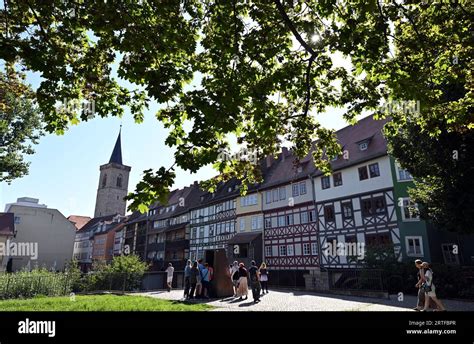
(308, 301)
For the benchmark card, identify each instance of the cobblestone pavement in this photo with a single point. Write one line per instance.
(308, 301)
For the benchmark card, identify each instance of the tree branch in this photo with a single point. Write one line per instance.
(292, 27)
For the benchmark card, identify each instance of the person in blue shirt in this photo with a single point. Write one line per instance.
(205, 280)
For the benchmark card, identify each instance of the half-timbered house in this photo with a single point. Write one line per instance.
(290, 231)
(213, 221)
(356, 207)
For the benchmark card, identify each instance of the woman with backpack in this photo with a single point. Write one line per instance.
(429, 288)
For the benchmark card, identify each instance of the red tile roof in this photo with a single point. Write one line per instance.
(78, 220)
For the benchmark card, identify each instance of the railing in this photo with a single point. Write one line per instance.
(362, 280)
(286, 279)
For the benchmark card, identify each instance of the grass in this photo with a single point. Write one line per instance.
(86, 303)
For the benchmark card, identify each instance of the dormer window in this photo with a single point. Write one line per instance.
(229, 189)
(364, 144)
(299, 169)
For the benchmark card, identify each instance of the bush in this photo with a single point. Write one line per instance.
(124, 273)
(27, 284)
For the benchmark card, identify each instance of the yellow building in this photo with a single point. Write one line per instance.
(247, 243)
(249, 213)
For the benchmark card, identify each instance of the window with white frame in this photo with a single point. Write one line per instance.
(450, 255)
(303, 188)
(268, 222)
(242, 224)
(346, 210)
(257, 222)
(374, 170)
(289, 250)
(268, 251)
(296, 190)
(268, 197)
(403, 174)
(409, 210)
(414, 246)
(281, 221)
(337, 179)
(248, 200)
(304, 217)
(282, 192)
(314, 248)
(282, 250)
(254, 220)
(325, 182)
(306, 249)
(275, 195)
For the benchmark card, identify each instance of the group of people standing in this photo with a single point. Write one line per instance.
(256, 276)
(197, 280)
(426, 288)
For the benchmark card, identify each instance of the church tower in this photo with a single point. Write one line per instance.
(113, 184)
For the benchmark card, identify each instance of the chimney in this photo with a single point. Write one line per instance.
(284, 153)
(269, 160)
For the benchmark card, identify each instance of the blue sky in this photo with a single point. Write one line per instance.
(64, 171)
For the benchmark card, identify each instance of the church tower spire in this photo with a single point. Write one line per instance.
(113, 184)
(116, 156)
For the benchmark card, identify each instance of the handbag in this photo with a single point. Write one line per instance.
(426, 288)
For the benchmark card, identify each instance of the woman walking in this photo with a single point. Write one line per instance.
(243, 287)
(234, 275)
(193, 278)
(263, 277)
(429, 288)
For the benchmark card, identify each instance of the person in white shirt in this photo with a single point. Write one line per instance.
(429, 288)
(169, 276)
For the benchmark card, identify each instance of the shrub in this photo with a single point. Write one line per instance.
(26, 284)
(124, 273)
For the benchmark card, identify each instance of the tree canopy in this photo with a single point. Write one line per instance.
(261, 70)
(20, 125)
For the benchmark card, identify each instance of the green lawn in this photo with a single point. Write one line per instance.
(99, 303)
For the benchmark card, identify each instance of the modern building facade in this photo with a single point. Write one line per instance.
(44, 230)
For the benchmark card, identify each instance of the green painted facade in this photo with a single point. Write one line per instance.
(408, 228)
